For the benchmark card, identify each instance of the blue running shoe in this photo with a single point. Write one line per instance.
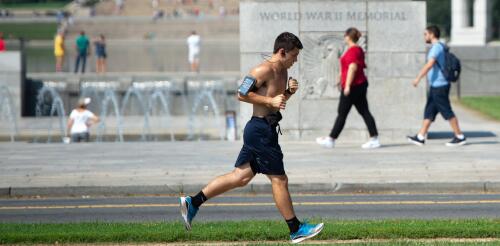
(306, 231)
(188, 211)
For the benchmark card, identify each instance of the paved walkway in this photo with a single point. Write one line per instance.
(172, 167)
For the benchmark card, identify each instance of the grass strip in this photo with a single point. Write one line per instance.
(486, 105)
(30, 31)
(238, 231)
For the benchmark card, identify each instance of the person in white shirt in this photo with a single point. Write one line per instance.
(155, 4)
(80, 121)
(194, 43)
(119, 5)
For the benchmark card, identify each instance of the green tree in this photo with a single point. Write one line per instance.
(439, 14)
(496, 19)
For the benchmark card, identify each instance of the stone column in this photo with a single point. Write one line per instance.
(459, 13)
(480, 32)
(10, 80)
(483, 17)
(10, 76)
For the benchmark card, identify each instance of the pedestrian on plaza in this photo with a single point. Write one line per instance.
(82, 51)
(119, 6)
(438, 100)
(59, 50)
(80, 120)
(194, 46)
(353, 86)
(101, 54)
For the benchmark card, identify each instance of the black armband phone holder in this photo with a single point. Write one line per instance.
(247, 85)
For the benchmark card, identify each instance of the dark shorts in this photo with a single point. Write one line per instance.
(80, 137)
(101, 55)
(438, 101)
(261, 148)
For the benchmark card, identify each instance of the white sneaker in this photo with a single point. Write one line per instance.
(372, 144)
(326, 142)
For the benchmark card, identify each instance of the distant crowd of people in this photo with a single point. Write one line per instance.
(182, 8)
(83, 50)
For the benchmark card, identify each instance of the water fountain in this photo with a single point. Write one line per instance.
(105, 94)
(50, 104)
(162, 106)
(149, 96)
(154, 98)
(159, 102)
(204, 97)
(135, 91)
(90, 90)
(7, 111)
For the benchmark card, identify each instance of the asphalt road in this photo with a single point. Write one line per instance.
(134, 209)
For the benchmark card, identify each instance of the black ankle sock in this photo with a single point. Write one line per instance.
(293, 224)
(199, 199)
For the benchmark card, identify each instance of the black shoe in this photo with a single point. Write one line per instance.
(456, 142)
(415, 140)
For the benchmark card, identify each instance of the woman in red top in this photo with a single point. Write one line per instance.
(353, 85)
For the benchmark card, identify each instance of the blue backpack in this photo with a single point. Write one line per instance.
(452, 67)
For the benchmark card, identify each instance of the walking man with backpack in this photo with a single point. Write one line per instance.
(441, 69)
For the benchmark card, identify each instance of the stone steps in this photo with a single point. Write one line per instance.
(164, 29)
(145, 8)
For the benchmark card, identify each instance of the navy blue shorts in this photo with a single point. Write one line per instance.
(101, 54)
(261, 148)
(438, 101)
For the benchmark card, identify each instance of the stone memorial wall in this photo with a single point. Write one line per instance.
(395, 51)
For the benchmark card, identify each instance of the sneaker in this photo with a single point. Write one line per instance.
(326, 142)
(372, 144)
(415, 140)
(188, 211)
(456, 142)
(306, 231)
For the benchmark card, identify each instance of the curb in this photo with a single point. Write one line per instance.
(332, 188)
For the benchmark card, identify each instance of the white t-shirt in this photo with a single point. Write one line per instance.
(194, 43)
(80, 120)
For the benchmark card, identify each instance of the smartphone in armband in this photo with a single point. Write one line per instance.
(247, 85)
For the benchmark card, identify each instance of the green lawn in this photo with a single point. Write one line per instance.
(486, 105)
(31, 31)
(35, 6)
(244, 231)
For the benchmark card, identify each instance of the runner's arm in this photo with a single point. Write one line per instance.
(261, 74)
(293, 86)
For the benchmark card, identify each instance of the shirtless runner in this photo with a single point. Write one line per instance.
(261, 152)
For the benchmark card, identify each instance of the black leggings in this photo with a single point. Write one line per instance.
(357, 97)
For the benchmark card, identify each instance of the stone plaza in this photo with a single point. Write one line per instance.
(395, 49)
